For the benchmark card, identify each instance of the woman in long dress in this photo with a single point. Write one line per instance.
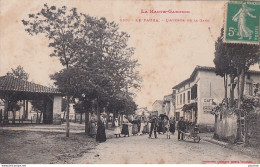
(92, 128)
(101, 132)
(125, 130)
(135, 127)
(117, 130)
(240, 17)
(141, 128)
(172, 125)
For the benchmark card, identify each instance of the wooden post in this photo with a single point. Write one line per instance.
(22, 119)
(6, 103)
(26, 110)
(13, 121)
(75, 116)
(1, 116)
(67, 116)
(19, 119)
(31, 120)
(37, 118)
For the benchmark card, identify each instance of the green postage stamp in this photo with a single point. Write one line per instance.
(242, 22)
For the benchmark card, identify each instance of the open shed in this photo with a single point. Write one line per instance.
(13, 89)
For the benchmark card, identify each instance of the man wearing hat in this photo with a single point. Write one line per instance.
(154, 125)
(181, 127)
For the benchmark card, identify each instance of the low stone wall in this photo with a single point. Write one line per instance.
(226, 128)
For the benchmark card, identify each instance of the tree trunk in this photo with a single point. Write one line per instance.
(67, 117)
(225, 85)
(122, 117)
(240, 97)
(241, 88)
(63, 117)
(80, 117)
(232, 91)
(215, 125)
(98, 112)
(87, 111)
(87, 121)
(114, 116)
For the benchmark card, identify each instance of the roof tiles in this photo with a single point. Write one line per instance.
(10, 83)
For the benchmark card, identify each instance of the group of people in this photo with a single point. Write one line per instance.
(137, 127)
(162, 125)
(97, 129)
(134, 127)
(153, 126)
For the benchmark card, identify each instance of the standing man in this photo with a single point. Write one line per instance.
(154, 125)
(181, 127)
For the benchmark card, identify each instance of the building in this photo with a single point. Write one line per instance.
(158, 107)
(14, 89)
(169, 105)
(196, 96)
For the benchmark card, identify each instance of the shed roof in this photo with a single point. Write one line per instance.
(10, 83)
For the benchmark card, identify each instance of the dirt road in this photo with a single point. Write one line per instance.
(141, 149)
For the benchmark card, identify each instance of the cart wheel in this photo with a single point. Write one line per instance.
(197, 139)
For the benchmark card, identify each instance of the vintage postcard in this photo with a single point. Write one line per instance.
(129, 82)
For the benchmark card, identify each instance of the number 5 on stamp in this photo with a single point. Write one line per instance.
(242, 22)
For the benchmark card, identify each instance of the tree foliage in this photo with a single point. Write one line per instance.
(98, 61)
(234, 60)
(18, 72)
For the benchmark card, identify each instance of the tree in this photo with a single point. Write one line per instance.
(19, 73)
(224, 66)
(236, 58)
(97, 58)
(60, 27)
(13, 106)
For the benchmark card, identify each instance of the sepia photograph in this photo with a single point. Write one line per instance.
(129, 82)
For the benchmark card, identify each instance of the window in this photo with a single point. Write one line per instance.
(181, 99)
(184, 98)
(194, 91)
(188, 96)
(177, 116)
(177, 100)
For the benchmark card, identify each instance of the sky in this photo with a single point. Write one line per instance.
(167, 51)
